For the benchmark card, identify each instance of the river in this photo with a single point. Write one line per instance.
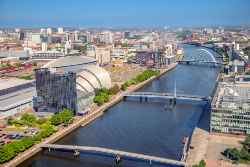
(141, 127)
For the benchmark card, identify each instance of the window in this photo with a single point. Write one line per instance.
(237, 79)
(246, 79)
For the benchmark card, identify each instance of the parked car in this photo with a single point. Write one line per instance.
(8, 142)
(17, 134)
(3, 134)
(236, 163)
(7, 135)
(2, 144)
(18, 138)
(25, 132)
(2, 141)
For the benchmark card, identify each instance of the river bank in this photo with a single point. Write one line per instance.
(80, 121)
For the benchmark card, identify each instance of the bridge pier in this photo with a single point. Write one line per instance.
(124, 98)
(170, 101)
(140, 99)
(146, 98)
(187, 62)
(215, 64)
(174, 100)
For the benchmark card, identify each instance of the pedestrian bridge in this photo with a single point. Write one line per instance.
(115, 152)
(164, 95)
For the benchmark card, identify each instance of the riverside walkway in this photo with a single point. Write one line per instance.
(164, 95)
(110, 151)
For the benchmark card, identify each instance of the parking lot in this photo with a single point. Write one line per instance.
(9, 136)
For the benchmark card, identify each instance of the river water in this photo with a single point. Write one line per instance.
(141, 127)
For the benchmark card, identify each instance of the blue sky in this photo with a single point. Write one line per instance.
(117, 13)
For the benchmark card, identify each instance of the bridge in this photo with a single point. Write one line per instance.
(164, 95)
(110, 151)
(202, 55)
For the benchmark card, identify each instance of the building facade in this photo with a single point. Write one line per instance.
(144, 56)
(56, 92)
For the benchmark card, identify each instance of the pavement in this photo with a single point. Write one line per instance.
(210, 146)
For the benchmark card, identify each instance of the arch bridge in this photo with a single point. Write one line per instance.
(202, 55)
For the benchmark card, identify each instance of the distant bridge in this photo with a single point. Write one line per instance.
(164, 95)
(115, 152)
(202, 55)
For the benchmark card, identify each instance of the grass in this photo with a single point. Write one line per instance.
(18, 130)
(243, 161)
(118, 69)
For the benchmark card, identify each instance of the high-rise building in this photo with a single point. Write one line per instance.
(44, 46)
(60, 30)
(83, 38)
(210, 31)
(231, 51)
(126, 34)
(96, 41)
(21, 36)
(217, 31)
(49, 31)
(71, 37)
(56, 92)
(222, 30)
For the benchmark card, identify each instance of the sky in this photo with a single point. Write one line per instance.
(126, 13)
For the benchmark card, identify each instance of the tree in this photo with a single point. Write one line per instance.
(124, 86)
(6, 153)
(235, 154)
(43, 134)
(129, 61)
(56, 120)
(37, 137)
(247, 139)
(196, 165)
(66, 115)
(105, 97)
(31, 118)
(35, 63)
(24, 116)
(54, 128)
(16, 147)
(100, 101)
(66, 123)
(202, 163)
(41, 120)
(97, 90)
(104, 90)
(27, 141)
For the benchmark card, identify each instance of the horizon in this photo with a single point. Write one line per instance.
(99, 14)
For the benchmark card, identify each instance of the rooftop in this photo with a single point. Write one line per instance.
(69, 61)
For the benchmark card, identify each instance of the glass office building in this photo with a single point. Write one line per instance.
(230, 107)
(56, 92)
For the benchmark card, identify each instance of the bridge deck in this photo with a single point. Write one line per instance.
(164, 95)
(116, 152)
(217, 62)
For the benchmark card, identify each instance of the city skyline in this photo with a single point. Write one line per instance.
(128, 14)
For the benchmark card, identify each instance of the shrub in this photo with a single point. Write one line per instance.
(41, 120)
(66, 123)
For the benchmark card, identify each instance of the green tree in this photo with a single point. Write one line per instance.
(235, 154)
(116, 88)
(129, 61)
(100, 101)
(16, 147)
(195, 165)
(96, 90)
(66, 115)
(105, 97)
(43, 134)
(124, 86)
(6, 153)
(41, 120)
(202, 163)
(247, 139)
(56, 120)
(31, 118)
(35, 63)
(54, 128)
(37, 137)
(66, 123)
(24, 116)
(27, 141)
(104, 90)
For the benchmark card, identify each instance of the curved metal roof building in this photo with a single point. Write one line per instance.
(88, 74)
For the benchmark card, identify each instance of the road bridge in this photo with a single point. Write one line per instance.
(110, 151)
(164, 95)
